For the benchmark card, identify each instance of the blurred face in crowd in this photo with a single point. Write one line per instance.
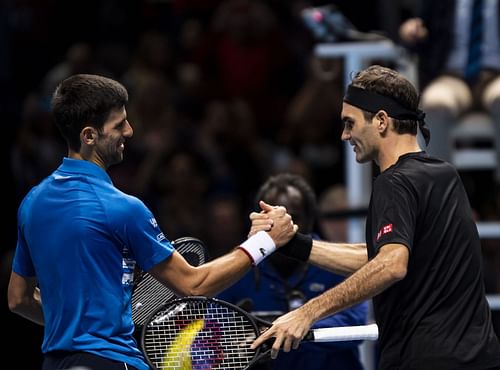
(333, 199)
(293, 201)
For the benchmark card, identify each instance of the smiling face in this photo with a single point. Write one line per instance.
(110, 141)
(360, 133)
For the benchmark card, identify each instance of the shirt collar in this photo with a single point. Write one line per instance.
(82, 167)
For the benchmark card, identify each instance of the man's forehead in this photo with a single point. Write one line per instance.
(350, 111)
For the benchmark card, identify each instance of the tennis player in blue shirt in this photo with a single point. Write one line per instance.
(79, 239)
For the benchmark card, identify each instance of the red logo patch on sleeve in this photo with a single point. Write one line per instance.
(384, 230)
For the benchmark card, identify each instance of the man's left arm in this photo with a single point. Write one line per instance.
(24, 298)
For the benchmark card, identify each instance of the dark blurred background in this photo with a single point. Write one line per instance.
(223, 93)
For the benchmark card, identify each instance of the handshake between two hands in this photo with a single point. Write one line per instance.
(279, 224)
(276, 221)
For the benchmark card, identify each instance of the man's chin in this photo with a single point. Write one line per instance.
(116, 160)
(365, 159)
(361, 159)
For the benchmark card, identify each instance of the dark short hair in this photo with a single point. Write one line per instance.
(278, 184)
(85, 100)
(388, 82)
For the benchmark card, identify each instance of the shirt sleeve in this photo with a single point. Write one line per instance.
(394, 212)
(139, 230)
(22, 263)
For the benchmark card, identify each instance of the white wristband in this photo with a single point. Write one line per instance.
(258, 247)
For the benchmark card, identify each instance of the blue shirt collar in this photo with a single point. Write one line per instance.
(82, 167)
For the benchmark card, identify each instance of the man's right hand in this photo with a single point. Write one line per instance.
(276, 221)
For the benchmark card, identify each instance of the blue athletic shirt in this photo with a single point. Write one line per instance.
(81, 237)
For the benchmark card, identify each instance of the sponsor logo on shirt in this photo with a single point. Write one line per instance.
(160, 237)
(153, 222)
(59, 177)
(128, 266)
(384, 230)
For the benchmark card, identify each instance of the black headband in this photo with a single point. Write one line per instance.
(373, 102)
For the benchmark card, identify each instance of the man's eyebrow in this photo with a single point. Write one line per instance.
(121, 123)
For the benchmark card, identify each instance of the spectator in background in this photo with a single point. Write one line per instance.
(79, 58)
(331, 222)
(153, 57)
(179, 184)
(246, 57)
(223, 210)
(393, 13)
(281, 284)
(228, 137)
(309, 130)
(448, 53)
(37, 148)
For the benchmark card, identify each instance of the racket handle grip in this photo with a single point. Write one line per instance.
(309, 336)
(343, 333)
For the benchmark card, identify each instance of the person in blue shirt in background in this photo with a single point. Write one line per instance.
(280, 284)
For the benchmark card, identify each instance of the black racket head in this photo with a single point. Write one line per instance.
(149, 293)
(192, 249)
(199, 333)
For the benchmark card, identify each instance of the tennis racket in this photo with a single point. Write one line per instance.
(149, 293)
(207, 333)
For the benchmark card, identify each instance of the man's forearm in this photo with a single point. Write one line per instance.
(341, 258)
(31, 309)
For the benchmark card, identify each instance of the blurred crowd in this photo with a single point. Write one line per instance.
(223, 94)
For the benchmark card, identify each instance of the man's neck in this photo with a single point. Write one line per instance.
(89, 158)
(395, 147)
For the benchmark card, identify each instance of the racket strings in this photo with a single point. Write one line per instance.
(148, 296)
(149, 293)
(199, 335)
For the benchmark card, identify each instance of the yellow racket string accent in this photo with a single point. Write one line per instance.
(178, 357)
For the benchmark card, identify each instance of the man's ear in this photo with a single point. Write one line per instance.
(382, 121)
(88, 135)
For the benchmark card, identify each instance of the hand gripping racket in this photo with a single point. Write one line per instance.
(207, 333)
(149, 293)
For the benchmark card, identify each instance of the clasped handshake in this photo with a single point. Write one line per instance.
(273, 229)
(276, 221)
(282, 230)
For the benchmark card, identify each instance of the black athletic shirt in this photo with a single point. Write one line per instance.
(437, 317)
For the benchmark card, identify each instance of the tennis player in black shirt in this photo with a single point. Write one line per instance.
(421, 263)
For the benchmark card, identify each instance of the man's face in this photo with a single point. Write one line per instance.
(360, 133)
(111, 140)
